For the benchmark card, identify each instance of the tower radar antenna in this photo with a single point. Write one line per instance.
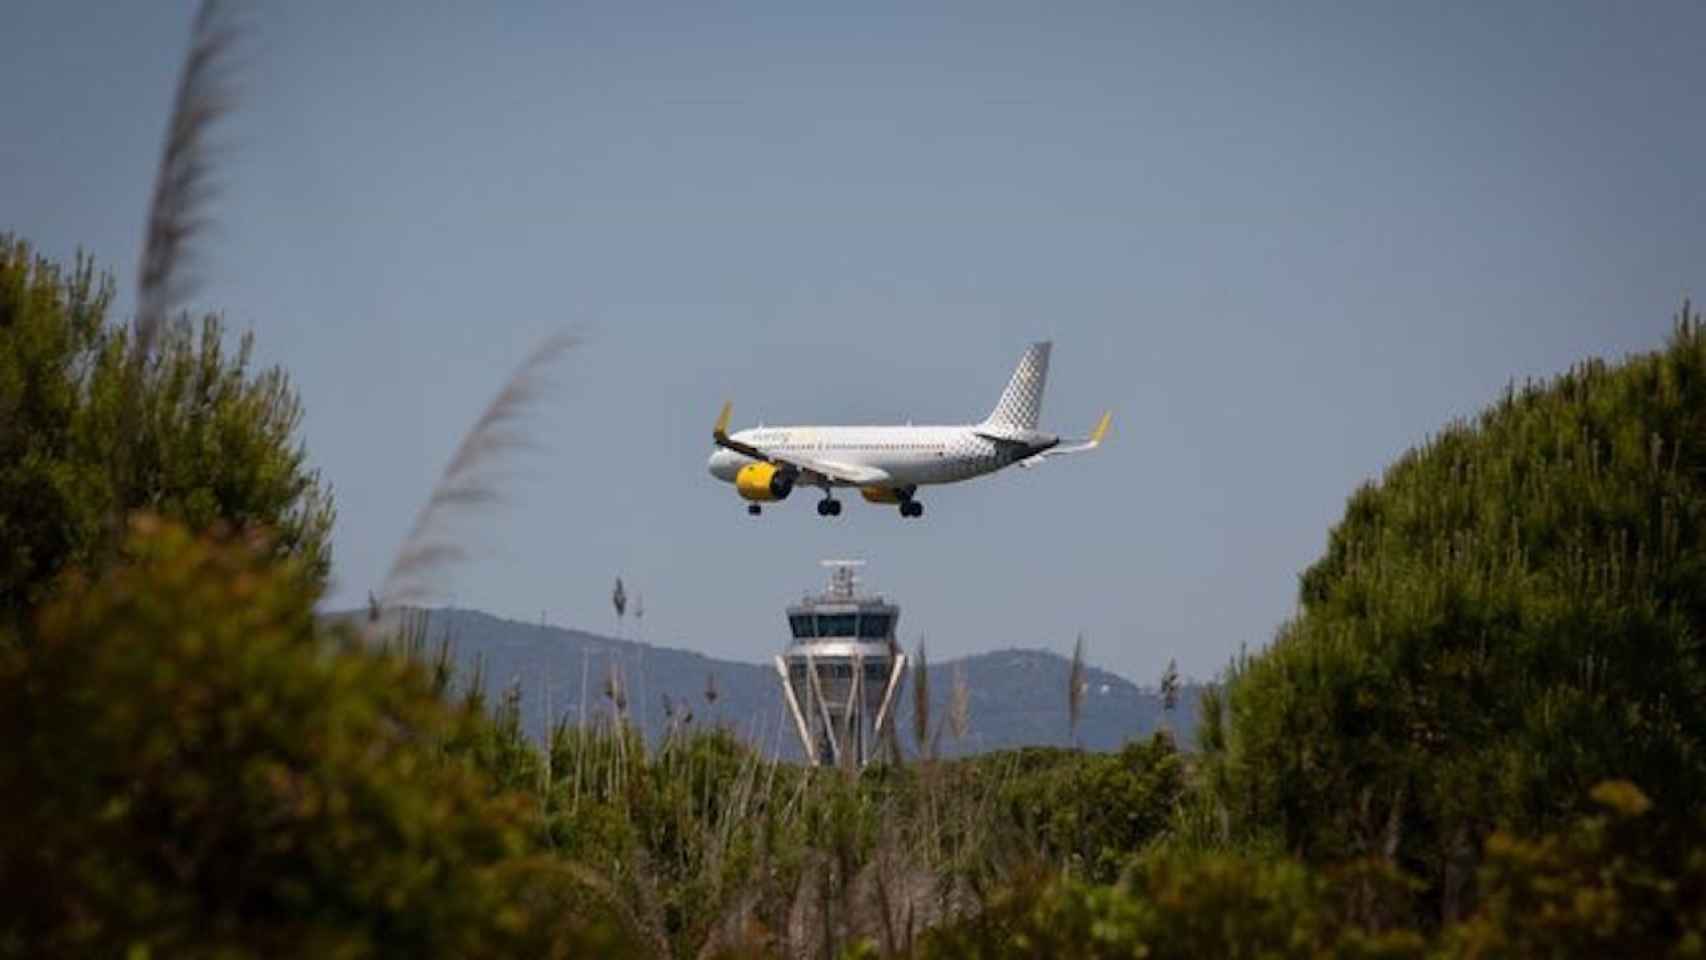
(843, 577)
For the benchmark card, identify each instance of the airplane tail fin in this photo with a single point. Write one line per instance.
(1021, 403)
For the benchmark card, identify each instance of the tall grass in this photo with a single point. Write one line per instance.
(470, 481)
(183, 183)
(704, 843)
(1076, 685)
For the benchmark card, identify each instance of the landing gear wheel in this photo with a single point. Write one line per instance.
(912, 508)
(828, 507)
(754, 509)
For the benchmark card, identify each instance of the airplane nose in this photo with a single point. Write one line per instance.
(718, 465)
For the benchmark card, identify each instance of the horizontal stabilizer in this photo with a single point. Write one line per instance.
(1081, 446)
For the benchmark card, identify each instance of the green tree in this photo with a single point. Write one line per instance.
(211, 443)
(1511, 616)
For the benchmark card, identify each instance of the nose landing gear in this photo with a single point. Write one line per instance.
(829, 507)
(754, 509)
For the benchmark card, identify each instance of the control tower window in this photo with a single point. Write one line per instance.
(874, 626)
(801, 624)
(836, 624)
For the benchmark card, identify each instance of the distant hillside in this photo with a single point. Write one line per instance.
(1018, 697)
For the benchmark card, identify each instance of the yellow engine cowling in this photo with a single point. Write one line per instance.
(880, 494)
(764, 482)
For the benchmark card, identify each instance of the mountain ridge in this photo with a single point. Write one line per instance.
(1017, 695)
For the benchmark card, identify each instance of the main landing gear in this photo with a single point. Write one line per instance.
(829, 507)
(754, 509)
(908, 506)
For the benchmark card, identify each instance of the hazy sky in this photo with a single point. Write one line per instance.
(1282, 245)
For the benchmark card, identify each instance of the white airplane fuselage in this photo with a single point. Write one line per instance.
(909, 456)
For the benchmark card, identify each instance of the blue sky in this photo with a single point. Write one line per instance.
(1282, 244)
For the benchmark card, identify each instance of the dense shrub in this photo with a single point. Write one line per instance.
(194, 771)
(1089, 812)
(1619, 882)
(1177, 906)
(1509, 617)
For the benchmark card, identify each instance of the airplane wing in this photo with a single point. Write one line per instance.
(1081, 446)
(816, 471)
(836, 472)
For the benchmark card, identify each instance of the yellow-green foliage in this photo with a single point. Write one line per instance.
(1509, 617)
(1173, 906)
(209, 442)
(1089, 813)
(192, 771)
(1619, 883)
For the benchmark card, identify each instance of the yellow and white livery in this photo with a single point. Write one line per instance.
(889, 464)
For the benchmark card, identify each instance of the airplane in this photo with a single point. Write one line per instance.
(889, 463)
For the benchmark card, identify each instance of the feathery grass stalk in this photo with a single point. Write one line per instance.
(182, 185)
(959, 704)
(1076, 685)
(468, 481)
(1169, 686)
(580, 742)
(921, 700)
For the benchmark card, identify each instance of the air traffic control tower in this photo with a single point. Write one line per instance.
(842, 672)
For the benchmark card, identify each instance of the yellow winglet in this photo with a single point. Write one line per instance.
(1101, 427)
(721, 430)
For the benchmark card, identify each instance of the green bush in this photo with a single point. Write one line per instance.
(194, 771)
(1616, 883)
(1088, 812)
(1173, 906)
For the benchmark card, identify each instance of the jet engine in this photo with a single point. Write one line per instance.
(764, 482)
(880, 494)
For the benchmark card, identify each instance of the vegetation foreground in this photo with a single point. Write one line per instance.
(1481, 735)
